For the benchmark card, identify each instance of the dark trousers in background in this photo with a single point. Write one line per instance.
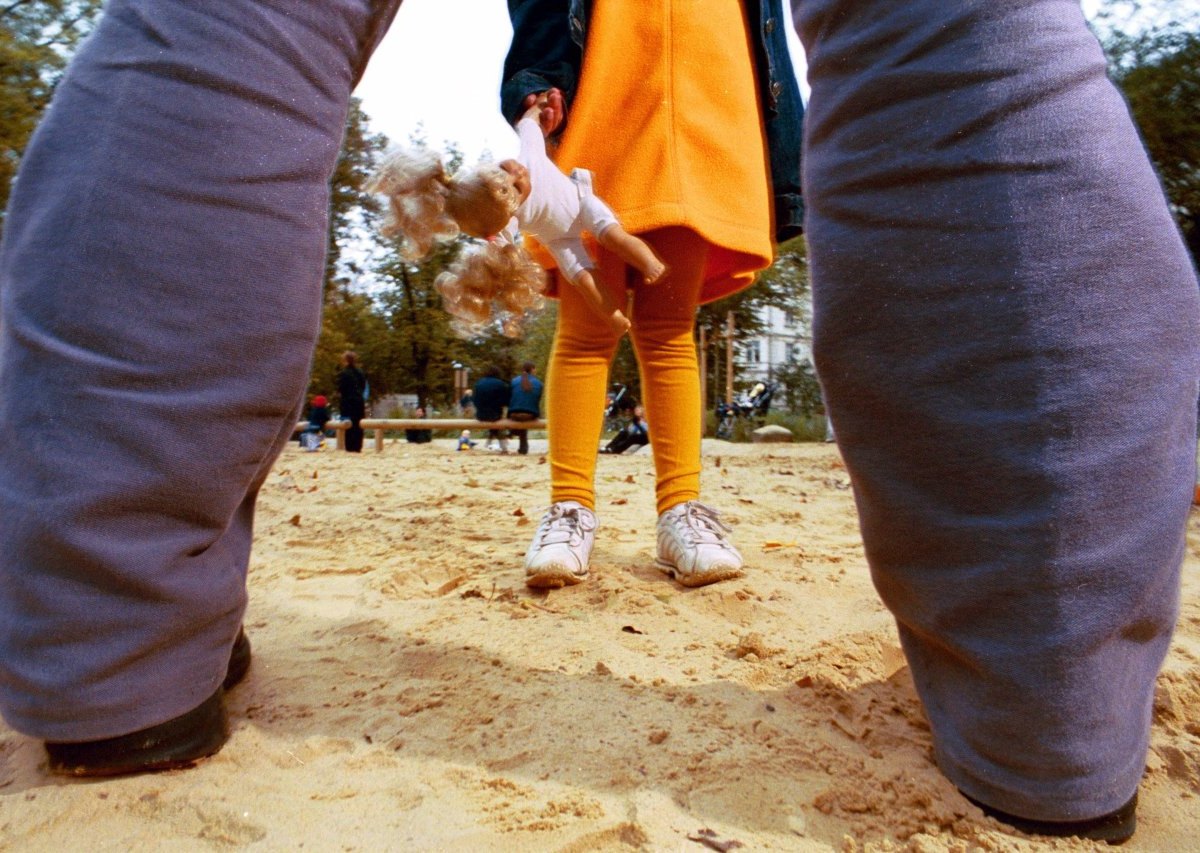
(522, 434)
(354, 437)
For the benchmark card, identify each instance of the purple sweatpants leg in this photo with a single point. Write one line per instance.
(1006, 329)
(160, 280)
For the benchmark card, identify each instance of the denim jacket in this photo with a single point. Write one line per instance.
(547, 52)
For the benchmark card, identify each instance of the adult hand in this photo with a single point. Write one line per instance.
(552, 109)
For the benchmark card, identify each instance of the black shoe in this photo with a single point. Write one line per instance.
(1116, 827)
(179, 742)
(239, 661)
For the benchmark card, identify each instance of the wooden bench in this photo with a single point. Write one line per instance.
(379, 425)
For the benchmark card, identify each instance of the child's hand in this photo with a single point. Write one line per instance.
(551, 109)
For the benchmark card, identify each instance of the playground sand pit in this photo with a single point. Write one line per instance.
(409, 693)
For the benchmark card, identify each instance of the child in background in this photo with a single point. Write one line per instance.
(464, 440)
(633, 433)
(312, 438)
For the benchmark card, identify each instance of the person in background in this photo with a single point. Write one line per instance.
(525, 403)
(634, 433)
(318, 415)
(352, 390)
(418, 436)
(491, 398)
(467, 404)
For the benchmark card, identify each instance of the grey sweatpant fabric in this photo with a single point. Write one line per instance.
(1006, 330)
(160, 283)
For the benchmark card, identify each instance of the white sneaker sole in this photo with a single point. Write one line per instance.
(552, 577)
(694, 579)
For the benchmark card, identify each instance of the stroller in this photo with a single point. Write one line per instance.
(620, 404)
(754, 404)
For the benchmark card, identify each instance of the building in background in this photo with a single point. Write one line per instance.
(786, 339)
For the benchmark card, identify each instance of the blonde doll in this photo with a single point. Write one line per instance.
(495, 202)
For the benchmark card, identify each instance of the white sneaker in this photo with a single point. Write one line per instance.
(692, 546)
(491, 447)
(562, 547)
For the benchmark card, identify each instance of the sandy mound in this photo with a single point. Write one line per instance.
(408, 692)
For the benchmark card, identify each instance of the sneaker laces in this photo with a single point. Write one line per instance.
(566, 524)
(701, 524)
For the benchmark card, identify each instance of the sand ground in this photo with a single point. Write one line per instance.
(409, 693)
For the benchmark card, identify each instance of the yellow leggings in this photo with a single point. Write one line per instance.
(663, 318)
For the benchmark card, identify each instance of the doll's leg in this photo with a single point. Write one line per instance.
(600, 303)
(633, 251)
(1007, 338)
(598, 218)
(149, 285)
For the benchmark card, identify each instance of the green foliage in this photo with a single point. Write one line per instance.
(799, 388)
(784, 286)
(37, 38)
(1157, 68)
(352, 210)
(803, 427)
(418, 350)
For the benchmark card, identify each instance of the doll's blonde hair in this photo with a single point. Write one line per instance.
(492, 282)
(414, 182)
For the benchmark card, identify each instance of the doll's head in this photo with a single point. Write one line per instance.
(414, 182)
(484, 200)
(426, 205)
(494, 281)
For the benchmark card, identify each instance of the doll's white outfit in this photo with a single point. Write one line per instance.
(559, 208)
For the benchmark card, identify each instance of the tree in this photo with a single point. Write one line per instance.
(420, 348)
(1158, 70)
(801, 391)
(348, 320)
(352, 210)
(37, 39)
(783, 285)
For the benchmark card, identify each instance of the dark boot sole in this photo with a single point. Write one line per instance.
(177, 743)
(1116, 827)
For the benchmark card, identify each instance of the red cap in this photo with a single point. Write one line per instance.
(319, 400)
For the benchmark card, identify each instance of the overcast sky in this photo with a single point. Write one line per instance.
(440, 66)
